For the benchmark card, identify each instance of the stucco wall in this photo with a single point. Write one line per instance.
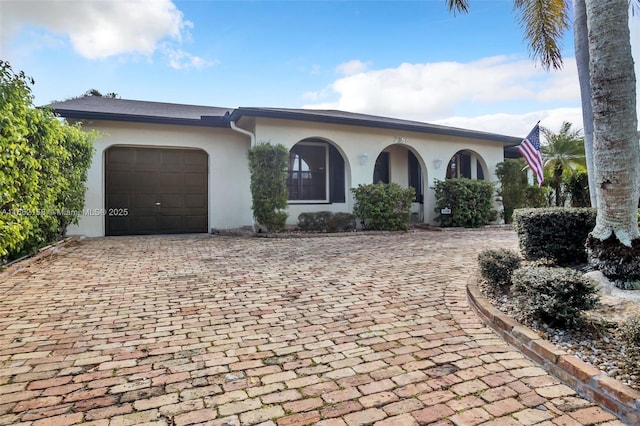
(353, 142)
(229, 195)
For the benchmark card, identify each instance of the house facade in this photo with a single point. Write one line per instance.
(169, 168)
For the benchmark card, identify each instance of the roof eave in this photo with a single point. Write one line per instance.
(203, 121)
(423, 128)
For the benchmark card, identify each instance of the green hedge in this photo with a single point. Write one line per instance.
(470, 202)
(326, 222)
(43, 167)
(383, 206)
(557, 234)
(268, 168)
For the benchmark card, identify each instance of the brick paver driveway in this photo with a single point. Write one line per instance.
(177, 330)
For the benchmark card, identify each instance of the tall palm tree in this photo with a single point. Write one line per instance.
(616, 153)
(614, 244)
(563, 153)
(581, 49)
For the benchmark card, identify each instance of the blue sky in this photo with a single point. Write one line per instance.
(405, 59)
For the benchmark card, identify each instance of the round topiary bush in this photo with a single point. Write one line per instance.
(497, 266)
(557, 296)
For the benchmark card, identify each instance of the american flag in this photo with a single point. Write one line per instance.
(530, 150)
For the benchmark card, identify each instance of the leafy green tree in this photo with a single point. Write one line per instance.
(577, 185)
(43, 166)
(513, 185)
(97, 93)
(562, 155)
(268, 168)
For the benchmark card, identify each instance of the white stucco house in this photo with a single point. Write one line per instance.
(171, 168)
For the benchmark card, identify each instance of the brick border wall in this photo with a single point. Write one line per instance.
(587, 380)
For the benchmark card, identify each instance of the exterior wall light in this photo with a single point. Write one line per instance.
(437, 163)
(364, 158)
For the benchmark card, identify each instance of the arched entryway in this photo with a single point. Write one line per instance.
(400, 164)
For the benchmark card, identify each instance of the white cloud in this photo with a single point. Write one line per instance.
(178, 59)
(432, 91)
(101, 29)
(518, 125)
(352, 67)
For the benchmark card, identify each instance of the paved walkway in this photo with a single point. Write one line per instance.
(347, 330)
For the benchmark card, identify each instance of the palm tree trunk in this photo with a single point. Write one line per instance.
(614, 244)
(581, 46)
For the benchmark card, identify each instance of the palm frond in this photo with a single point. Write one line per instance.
(544, 23)
(634, 5)
(456, 6)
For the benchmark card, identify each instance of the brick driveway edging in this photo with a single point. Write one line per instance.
(590, 382)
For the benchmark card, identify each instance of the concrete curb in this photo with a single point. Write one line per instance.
(587, 380)
(46, 251)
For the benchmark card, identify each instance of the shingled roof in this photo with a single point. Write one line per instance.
(98, 108)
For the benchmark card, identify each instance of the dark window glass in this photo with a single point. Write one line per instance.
(381, 169)
(465, 165)
(307, 178)
(336, 176)
(415, 177)
(479, 171)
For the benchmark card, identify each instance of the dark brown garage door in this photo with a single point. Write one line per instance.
(156, 191)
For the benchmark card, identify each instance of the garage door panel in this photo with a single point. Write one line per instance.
(170, 223)
(197, 159)
(119, 179)
(121, 160)
(195, 179)
(147, 158)
(118, 225)
(171, 201)
(144, 224)
(195, 201)
(172, 159)
(120, 201)
(195, 222)
(144, 201)
(146, 180)
(140, 178)
(172, 179)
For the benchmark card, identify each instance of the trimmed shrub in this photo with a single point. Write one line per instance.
(557, 296)
(497, 266)
(383, 206)
(342, 222)
(326, 222)
(268, 167)
(558, 234)
(470, 202)
(630, 335)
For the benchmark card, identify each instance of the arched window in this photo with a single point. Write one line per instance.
(316, 173)
(465, 164)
